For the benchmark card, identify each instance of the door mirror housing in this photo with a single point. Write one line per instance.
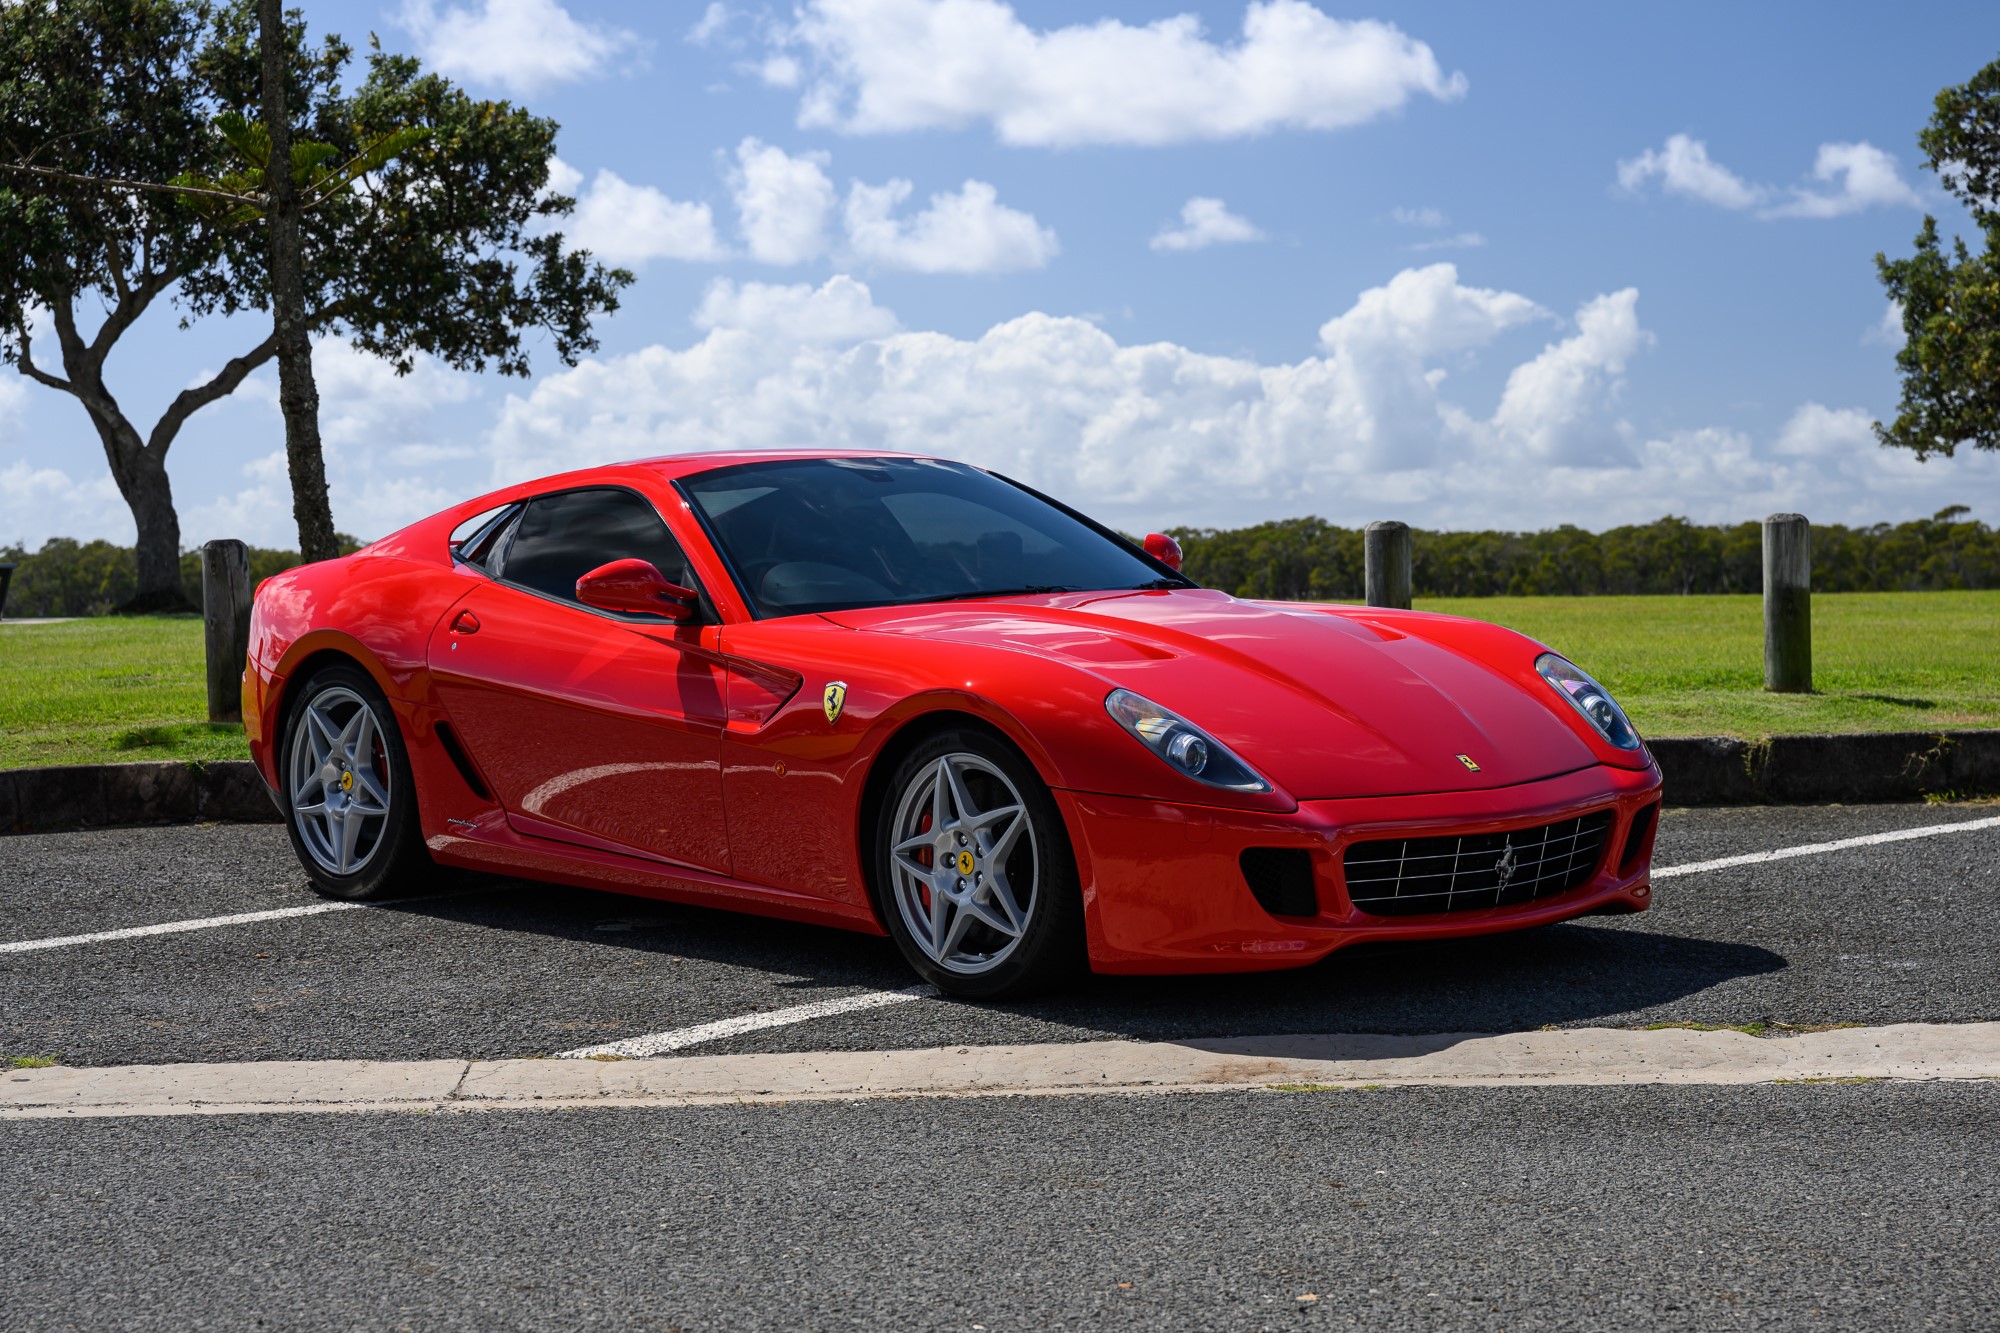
(1164, 549)
(635, 587)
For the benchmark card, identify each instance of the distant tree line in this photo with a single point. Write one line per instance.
(72, 578)
(1305, 559)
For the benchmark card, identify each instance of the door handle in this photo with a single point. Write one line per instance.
(465, 623)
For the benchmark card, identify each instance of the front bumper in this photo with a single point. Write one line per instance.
(1164, 891)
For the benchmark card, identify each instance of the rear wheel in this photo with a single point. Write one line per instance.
(350, 804)
(976, 875)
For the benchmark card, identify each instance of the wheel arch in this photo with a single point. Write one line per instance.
(910, 733)
(309, 663)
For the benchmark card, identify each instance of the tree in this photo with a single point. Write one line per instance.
(448, 251)
(1950, 360)
(298, 394)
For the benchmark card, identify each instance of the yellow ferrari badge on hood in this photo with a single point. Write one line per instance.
(1470, 763)
(834, 699)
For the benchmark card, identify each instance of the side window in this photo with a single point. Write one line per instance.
(479, 540)
(560, 538)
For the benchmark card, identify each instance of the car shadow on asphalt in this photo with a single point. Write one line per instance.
(1579, 973)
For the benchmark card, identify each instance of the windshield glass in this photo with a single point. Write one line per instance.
(828, 534)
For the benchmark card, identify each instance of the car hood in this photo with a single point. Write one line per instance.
(1325, 703)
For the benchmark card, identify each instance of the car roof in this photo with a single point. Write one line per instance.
(672, 466)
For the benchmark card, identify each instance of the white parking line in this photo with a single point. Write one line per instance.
(1816, 848)
(206, 923)
(658, 1043)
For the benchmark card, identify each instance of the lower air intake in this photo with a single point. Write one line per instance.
(1281, 879)
(1417, 876)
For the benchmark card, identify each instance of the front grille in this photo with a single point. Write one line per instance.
(1413, 876)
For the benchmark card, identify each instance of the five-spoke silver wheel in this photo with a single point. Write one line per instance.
(340, 781)
(964, 863)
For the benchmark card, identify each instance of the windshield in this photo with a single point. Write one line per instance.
(829, 534)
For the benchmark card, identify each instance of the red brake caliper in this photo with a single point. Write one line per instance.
(924, 859)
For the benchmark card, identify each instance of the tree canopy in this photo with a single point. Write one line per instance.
(1950, 296)
(453, 249)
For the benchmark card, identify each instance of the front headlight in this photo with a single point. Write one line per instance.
(1181, 743)
(1590, 699)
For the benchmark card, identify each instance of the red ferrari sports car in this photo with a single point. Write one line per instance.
(901, 694)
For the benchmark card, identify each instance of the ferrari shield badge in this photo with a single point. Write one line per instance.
(1471, 765)
(834, 699)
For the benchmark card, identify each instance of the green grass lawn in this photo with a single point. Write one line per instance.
(1694, 666)
(93, 691)
(105, 690)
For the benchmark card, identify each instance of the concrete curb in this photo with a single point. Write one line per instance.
(1816, 770)
(80, 796)
(1579, 1057)
(1700, 770)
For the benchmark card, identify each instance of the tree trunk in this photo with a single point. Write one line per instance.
(152, 502)
(141, 476)
(298, 395)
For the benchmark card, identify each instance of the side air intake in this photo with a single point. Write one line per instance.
(1281, 880)
(462, 761)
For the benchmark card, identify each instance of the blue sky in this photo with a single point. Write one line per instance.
(1659, 227)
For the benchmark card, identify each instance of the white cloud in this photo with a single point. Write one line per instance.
(1425, 312)
(13, 393)
(1152, 434)
(710, 25)
(1551, 405)
(1824, 432)
(780, 71)
(841, 310)
(1465, 240)
(623, 223)
(966, 232)
(1849, 177)
(1419, 217)
(523, 46)
(1887, 331)
(391, 453)
(365, 404)
(1862, 176)
(37, 503)
(1126, 429)
(1684, 167)
(1206, 222)
(892, 65)
(782, 202)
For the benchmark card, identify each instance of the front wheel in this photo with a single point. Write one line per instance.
(975, 871)
(350, 804)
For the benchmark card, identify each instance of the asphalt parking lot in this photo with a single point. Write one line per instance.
(1774, 1205)
(1898, 932)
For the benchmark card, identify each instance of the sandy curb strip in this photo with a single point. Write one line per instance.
(1575, 1057)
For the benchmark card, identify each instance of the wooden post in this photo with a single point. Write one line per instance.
(1385, 562)
(1788, 604)
(225, 623)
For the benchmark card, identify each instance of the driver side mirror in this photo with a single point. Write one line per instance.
(1164, 549)
(636, 588)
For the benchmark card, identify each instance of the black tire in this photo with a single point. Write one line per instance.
(987, 962)
(388, 854)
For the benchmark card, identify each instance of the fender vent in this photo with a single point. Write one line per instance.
(1281, 879)
(461, 761)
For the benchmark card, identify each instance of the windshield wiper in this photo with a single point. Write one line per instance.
(1023, 590)
(1154, 585)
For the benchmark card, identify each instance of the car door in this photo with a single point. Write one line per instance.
(592, 727)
